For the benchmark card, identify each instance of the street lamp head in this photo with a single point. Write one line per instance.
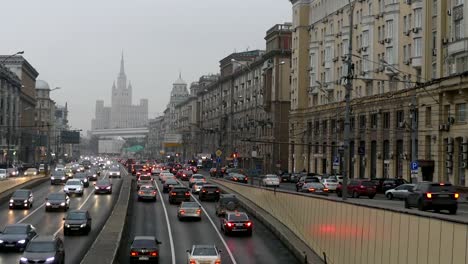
(282, 62)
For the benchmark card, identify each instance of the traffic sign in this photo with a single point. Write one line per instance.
(219, 153)
(236, 163)
(218, 160)
(336, 161)
(414, 166)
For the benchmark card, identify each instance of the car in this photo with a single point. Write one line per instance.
(13, 172)
(196, 177)
(213, 172)
(3, 174)
(330, 184)
(236, 177)
(114, 173)
(184, 175)
(147, 192)
(197, 186)
(30, 172)
(77, 221)
(400, 192)
(209, 192)
(433, 196)
(234, 222)
(59, 167)
(208, 254)
(338, 178)
(379, 184)
(226, 202)
(103, 186)
(17, 236)
(392, 184)
(144, 249)
(315, 188)
(80, 168)
(285, 176)
(57, 201)
(44, 249)
(359, 187)
(22, 198)
(82, 177)
(189, 210)
(179, 194)
(164, 176)
(42, 168)
(69, 173)
(92, 175)
(305, 179)
(270, 180)
(168, 184)
(74, 186)
(145, 180)
(58, 177)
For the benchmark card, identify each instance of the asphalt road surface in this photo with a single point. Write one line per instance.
(51, 223)
(149, 218)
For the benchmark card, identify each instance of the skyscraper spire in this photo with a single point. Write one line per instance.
(122, 68)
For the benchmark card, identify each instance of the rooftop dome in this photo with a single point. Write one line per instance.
(40, 84)
(180, 81)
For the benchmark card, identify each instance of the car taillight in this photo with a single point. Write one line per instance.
(140, 192)
(187, 194)
(218, 261)
(217, 191)
(229, 224)
(248, 224)
(246, 178)
(154, 192)
(311, 189)
(235, 179)
(133, 253)
(198, 211)
(182, 211)
(204, 191)
(173, 193)
(325, 190)
(154, 254)
(192, 262)
(429, 195)
(362, 187)
(456, 195)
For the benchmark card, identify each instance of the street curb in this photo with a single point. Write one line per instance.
(5, 196)
(106, 245)
(302, 252)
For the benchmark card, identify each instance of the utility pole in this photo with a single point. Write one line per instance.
(348, 87)
(414, 127)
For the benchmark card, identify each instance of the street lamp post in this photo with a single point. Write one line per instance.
(48, 154)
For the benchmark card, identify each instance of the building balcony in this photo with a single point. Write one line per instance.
(392, 8)
(416, 62)
(457, 47)
(368, 20)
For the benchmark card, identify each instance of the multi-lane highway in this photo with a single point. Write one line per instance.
(160, 219)
(50, 223)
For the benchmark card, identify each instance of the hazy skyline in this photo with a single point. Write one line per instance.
(77, 45)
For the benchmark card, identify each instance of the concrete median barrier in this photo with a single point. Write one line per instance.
(7, 187)
(105, 247)
(360, 234)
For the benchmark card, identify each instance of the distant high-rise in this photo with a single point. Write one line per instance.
(121, 113)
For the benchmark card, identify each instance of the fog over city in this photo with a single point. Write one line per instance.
(77, 46)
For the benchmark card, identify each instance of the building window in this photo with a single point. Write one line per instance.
(374, 120)
(362, 121)
(428, 117)
(386, 120)
(365, 38)
(418, 47)
(369, 89)
(389, 29)
(460, 112)
(418, 18)
(389, 54)
(458, 25)
(328, 53)
(400, 118)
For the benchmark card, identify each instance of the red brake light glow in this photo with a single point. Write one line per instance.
(248, 224)
(311, 189)
(173, 193)
(456, 195)
(429, 195)
(133, 253)
(181, 211)
(198, 211)
(229, 224)
(154, 254)
(187, 194)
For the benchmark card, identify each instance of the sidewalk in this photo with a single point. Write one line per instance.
(12, 182)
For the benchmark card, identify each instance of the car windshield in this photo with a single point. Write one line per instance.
(15, 230)
(147, 188)
(330, 180)
(58, 173)
(21, 193)
(204, 251)
(2, 171)
(145, 178)
(226, 200)
(76, 216)
(103, 182)
(198, 176)
(272, 177)
(56, 196)
(208, 188)
(441, 188)
(80, 175)
(171, 181)
(238, 217)
(189, 205)
(144, 243)
(314, 185)
(74, 182)
(41, 247)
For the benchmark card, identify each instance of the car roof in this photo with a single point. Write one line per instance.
(78, 211)
(18, 225)
(144, 238)
(209, 185)
(228, 195)
(236, 213)
(204, 246)
(42, 238)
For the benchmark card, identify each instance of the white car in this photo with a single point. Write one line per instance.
(30, 172)
(330, 184)
(3, 174)
(400, 192)
(74, 187)
(206, 254)
(271, 180)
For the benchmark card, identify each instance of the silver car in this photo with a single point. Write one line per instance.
(196, 187)
(189, 210)
(206, 254)
(400, 192)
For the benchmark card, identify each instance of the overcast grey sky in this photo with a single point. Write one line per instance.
(77, 44)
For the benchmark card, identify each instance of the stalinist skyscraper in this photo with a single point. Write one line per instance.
(121, 113)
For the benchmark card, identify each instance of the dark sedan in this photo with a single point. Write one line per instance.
(236, 177)
(21, 198)
(57, 201)
(92, 175)
(78, 221)
(58, 177)
(44, 249)
(103, 186)
(144, 249)
(16, 236)
(433, 196)
(83, 177)
(168, 184)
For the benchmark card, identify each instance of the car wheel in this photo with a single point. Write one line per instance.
(65, 232)
(421, 206)
(407, 206)
(355, 194)
(389, 196)
(371, 196)
(453, 210)
(338, 193)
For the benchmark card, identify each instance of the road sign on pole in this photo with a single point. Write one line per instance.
(219, 153)
(414, 166)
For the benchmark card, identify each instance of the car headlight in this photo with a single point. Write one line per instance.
(62, 204)
(23, 259)
(108, 187)
(34, 173)
(52, 178)
(83, 225)
(1, 241)
(51, 259)
(85, 180)
(47, 204)
(67, 225)
(95, 187)
(11, 201)
(63, 178)
(94, 175)
(25, 201)
(22, 241)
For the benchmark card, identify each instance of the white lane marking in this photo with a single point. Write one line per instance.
(171, 241)
(31, 213)
(79, 208)
(216, 229)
